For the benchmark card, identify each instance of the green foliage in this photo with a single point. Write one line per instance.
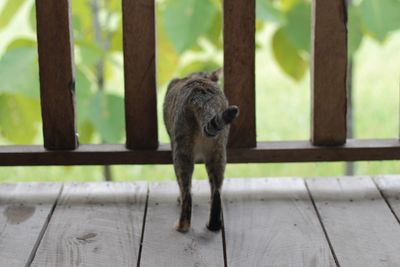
(288, 56)
(167, 57)
(7, 14)
(380, 17)
(19, 118)
(20, 61)
(107, 115)
(354, 29)
(267, 12)
(186, 20)
(297, 28)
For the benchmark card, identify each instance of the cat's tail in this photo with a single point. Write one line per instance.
(219, 121)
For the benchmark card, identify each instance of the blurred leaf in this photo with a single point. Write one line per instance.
(83, 98)
(266, 11)
(86, 131)
(380, 17)
(167, 58)
(288, 56)
(106, 112)
(214, 34)
(21, 61)
(19, 117)
(114, 5)
(286, 5)
(110, 68)
(116, 40)
(354, 29)
(90, 53)
(9, 11)
(186, 20)
(197, 66)
(82, 84)
(83, 18)
(298, 26)
(32, 17)
(22, 42)
(83, 95)
(77, 28)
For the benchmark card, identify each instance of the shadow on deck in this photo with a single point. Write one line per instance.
(346, 221)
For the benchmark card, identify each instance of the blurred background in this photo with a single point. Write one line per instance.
(189, 38)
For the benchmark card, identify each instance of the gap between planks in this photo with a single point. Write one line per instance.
(44, 228)
(163, 245)
(360, 225)
(95, 224)
(25, 210)
(272, 222)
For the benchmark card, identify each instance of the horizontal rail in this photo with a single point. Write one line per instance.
(265, 152)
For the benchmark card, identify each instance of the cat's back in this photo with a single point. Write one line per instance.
(183, 95)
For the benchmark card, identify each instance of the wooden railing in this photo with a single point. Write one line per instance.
(57, 82)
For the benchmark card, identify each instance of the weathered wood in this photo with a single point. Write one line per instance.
(265, 152)
(239, 69)
(389, 185)
(360, 226)
(95, 224)
(140, 73)
(25, 209)
(328, 72)
(56, 69)
(272, 222)
(163, 245)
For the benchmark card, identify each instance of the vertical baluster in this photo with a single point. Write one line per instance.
(239, 68)
(56, 68)
(140, 73)
(328, 72)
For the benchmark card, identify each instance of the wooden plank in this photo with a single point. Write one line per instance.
(140, 73)
(56, 69)
(265, 152)
(95, 224)
(25, 209)
(272, 222)
(328, 72)
(239, 69)
(163, 245)
(360, 226)
(389, 185)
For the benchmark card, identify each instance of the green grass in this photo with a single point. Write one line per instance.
(283, 113)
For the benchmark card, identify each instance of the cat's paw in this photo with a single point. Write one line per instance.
(214, 226)
(182, 226)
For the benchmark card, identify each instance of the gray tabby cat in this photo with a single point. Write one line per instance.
(197, 118)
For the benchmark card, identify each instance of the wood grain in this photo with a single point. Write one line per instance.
(272, 222)
(328, 72)
(389, 185)
(265, 152)
(25, 209)
(95, 224)
(239, 69)
(56, 69)
(163, 245)
(140, 73)
(361, 228)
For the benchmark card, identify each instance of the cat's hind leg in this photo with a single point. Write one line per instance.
(215, 169)
(184, 164)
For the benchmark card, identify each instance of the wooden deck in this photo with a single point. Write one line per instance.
(345, 221)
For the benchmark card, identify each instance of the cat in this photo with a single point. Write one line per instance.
(197, 118)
